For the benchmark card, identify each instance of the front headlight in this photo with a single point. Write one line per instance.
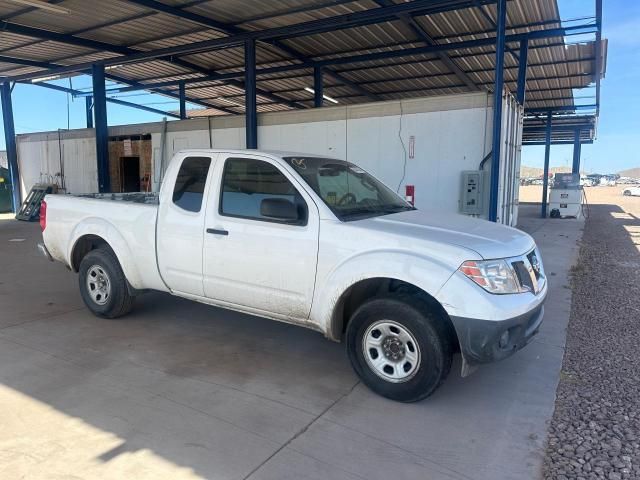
(495, 276)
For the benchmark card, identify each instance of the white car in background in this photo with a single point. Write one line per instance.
(631, 191)
(607, 182)
(586, 182)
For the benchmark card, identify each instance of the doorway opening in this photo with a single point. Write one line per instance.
(130, 174)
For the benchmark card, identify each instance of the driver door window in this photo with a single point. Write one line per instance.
(247, 182)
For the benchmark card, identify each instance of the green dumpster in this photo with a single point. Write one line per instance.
(5, 191)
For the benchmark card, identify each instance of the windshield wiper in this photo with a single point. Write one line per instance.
(395, 208)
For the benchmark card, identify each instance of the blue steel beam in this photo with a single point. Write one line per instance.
(120, 49)
(350, 20)
(402, 45)
(555, 142)
(559, 128)
(88, 106)
(135, 85)
(180, 12)
(363, 58)
(488, 18)
(101, 127)
(183, 100)
(27, 63)
(186, 15)
(250, 104)
(575, 168)
(318, 88)
(92, 28)
(545, 180)
(425, 37)
(109, 100)
(10, 140)
(40, 64)
(522, 71)
(497, 111)
(598, 52)
(567, 108)
(63, 38)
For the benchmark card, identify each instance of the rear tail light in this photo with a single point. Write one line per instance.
(43, 215)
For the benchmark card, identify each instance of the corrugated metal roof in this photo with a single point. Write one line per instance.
(555, 68)
(563, 128)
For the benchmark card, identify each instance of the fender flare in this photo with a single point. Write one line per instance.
(424, 273)
(109, 233)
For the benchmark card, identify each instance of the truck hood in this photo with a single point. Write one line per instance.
(488, 239)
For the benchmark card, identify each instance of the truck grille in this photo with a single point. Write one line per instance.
(529, 271)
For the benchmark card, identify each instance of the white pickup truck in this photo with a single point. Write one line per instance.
(316, 242)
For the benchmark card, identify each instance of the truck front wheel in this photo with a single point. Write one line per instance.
(103, 285)
(398, 347)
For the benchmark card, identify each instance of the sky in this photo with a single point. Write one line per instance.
(616, 146)
(40, 109)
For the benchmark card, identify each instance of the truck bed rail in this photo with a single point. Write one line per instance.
(149, 198)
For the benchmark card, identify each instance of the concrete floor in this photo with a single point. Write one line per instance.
(181, 390)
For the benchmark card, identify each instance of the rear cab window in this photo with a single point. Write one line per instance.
(188, 192)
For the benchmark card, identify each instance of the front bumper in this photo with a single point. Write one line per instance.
(485, 341)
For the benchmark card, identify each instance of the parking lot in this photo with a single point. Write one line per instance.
(182, 390)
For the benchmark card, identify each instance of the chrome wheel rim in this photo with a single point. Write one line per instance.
(98, 285)
(391, 351)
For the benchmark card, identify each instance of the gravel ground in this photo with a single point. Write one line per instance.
(595, 430)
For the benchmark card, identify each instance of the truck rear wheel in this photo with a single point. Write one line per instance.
(103, 285)
(398, 347)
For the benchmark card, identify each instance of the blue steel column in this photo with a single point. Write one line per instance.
(10, 139)
(88, 105)
(183, 100)
(250, 103)
(545, 180)
(577, 147)
(318, 87)
(598, 53)
(102, 131)
(497, 109)
(522, 71)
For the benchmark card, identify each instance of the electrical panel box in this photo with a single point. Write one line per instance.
(472, 192)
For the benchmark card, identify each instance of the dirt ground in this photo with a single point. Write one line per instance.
(595, 431)
(595, 195)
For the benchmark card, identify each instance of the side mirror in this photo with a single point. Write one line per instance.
(279, 209)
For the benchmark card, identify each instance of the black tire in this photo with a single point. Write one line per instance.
(423, 324)
(626, 193)
(118, 301)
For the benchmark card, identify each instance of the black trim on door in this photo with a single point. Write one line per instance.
(216, 231)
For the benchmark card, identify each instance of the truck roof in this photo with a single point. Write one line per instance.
(275, 153)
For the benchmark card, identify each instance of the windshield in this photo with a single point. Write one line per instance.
(350, 192)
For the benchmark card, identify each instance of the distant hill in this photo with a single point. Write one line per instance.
(532, 172)
(631, 172)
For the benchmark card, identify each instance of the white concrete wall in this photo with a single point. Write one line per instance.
(3, 159)
(450, 134)
(47, 158)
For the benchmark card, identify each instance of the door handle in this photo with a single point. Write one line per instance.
(216, 231)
